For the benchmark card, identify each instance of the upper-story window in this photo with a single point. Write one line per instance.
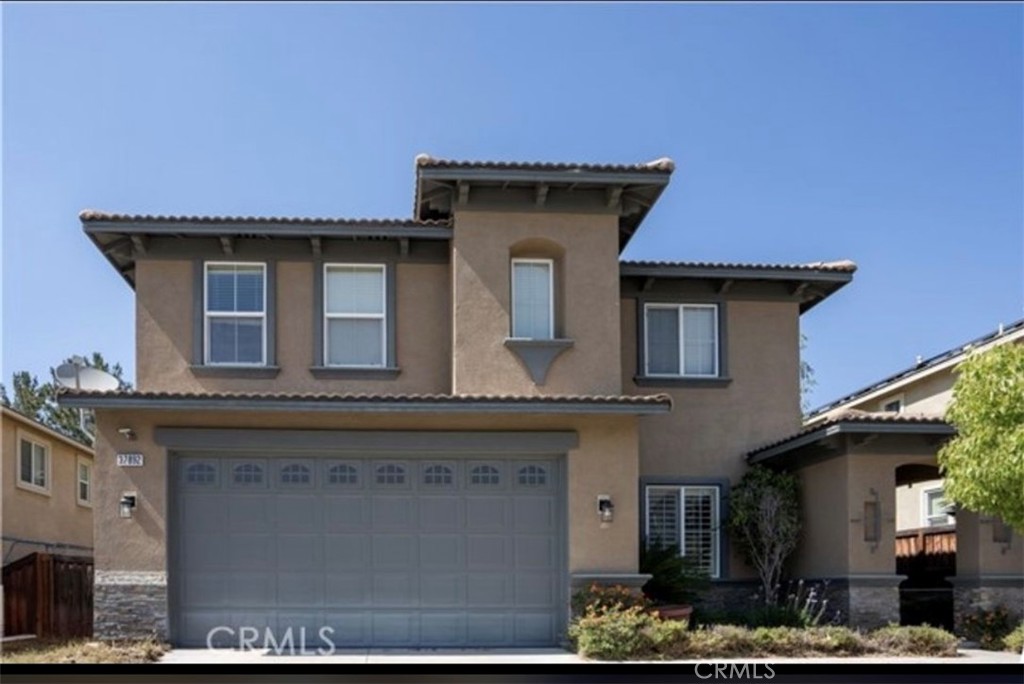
(83, 485)
(235, 314)
(936, 508)
(34, 464)
(355, 319)
(533, 306)
(893, 405)
(681, 340)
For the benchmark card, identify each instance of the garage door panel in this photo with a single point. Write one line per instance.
(442, 590)
(297, 513)
(345, 512)
(347, 550)
(250, 551)
(484, 552)
(300, 589)
(441, 552)
(489, 590)
(440, 512)
(387, 552)
(295, 551)
(397, 589)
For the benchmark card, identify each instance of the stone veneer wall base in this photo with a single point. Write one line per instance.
(130, 605)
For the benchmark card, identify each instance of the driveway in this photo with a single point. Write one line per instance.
(967, 657)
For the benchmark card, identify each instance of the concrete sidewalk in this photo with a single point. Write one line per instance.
(967, 657)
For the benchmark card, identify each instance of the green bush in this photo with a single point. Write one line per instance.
(622, 633)
(987, 627)
(604, 598)
(914, 640)
(1014, 641)
(674, 577)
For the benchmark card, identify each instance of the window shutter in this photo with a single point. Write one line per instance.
(662, 517)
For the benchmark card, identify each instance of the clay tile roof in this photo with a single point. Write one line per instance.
(857, 417)
(842, 266)
(94, 215)
(657, 166)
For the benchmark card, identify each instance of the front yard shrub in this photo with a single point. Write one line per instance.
(914, 640)
(603, 598)
(1014, 641)
(675, 579)
(622, 633)
(987, 627)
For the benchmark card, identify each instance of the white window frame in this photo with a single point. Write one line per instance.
(382, 317)
(207, 314)
(682, 346)
(550, 263)
(926, 516)
(885, 402)
(79, 462)
(30, 486)
(716, 507)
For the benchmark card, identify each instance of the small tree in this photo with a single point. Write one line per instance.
(983, 464)
(764, 522)
(807, 380)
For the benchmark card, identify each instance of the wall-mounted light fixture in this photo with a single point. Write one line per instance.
(127, 433)
(127, 504)
(873, 520)
(605, 508)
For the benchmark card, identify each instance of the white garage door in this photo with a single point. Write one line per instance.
(383, 551)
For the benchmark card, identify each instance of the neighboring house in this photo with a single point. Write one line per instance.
(47, 490)
(429, 431)
(869, 471)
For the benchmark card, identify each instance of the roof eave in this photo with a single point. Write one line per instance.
(848, 427)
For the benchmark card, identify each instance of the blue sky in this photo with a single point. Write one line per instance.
(890, 134)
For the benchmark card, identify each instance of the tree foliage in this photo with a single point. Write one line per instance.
(983, 464)
(39, 400)
(807, 381)
(764, 523)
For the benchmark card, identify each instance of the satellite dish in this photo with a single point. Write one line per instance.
(84, 377)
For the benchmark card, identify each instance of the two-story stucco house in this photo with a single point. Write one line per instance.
(428, 431)
(47, 490)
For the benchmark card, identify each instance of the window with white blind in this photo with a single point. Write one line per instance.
(681, 340)
(83, 485)
(686, 517)
(936, 508)
(533, 307)
(235, 314)
(355, 316)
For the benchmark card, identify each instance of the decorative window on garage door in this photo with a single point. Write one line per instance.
(484, 475)
(438, 475)
(342, 474)
(296, 474)
(532, 475)
(247, 475)
(201, 474)
(390, 475)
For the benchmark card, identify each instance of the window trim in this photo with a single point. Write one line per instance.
(550, 263)
(895, 398)
(24, 436)
(925, 515)
(682, 374)
(719, 555)
(325, 316)
(264, 315)
(79, 462)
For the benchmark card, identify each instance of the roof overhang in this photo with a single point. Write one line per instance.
(808, 284)
(791, 449)
(627, 405)
(629, 191)
(46, 430)
(122, 238)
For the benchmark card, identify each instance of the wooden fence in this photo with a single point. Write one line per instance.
(926, 549)
(49, 596)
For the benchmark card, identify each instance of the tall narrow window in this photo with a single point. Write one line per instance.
(355, 315)
(34, 468)
(681, 340)
(686, 517)
(235, 314)
(533, 314)
(84, 485)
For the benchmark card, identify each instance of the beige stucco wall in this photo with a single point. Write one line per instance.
(588, 281)
(164, 340)
(606, 462)
(822, 550)
(56, 518)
